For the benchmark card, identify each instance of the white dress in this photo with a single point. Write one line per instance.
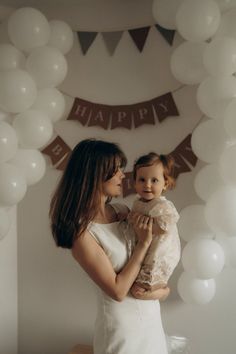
(131, 326)
(164, 253)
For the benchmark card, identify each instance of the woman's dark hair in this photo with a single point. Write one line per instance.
(76, 199)
(152, 158)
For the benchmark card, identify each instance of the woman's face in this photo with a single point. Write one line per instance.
(113, 186)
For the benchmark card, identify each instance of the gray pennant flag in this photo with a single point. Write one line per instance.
(111, 40)
(86, 39)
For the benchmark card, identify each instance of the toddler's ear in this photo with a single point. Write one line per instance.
(165, 186)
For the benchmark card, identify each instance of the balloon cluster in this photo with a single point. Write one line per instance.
(207, 58)
(32, 65)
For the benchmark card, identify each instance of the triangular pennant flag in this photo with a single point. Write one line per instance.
(166, 33)
(86, 39)
(111, 40)
(139, 36)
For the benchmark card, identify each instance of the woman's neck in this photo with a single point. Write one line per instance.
(106, 213)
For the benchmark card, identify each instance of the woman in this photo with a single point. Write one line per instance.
(83, 220)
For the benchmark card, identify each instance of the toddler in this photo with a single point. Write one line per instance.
(153, 174)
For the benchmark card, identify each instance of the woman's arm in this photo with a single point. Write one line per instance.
(144, 294)
(95, 262)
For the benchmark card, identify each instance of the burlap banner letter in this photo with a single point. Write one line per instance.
(57, 150)
(184, 156)
(165, 106)
(80, 111)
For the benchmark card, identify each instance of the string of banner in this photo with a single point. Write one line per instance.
(131, 116)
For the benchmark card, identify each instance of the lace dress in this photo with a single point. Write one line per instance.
(131, 326)
(164, 252)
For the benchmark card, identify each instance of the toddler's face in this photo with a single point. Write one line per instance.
(150, 181)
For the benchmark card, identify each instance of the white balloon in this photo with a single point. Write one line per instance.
(197, 20)
(50, 101)
(61, 36)
(203, 258)
(219, 56)
(12, 185)
(4, 223)
(8, 142)
(207, 181)
(225, 5)
(227, 25)
(10, 57)
(228, 245)
(187, 63)
(214, 94)
(229, 118)
(209, 139)
(48, 66)
(220, 210)
(195, 291)
(34, 129)
(164, 12)
(32, 164)
(227, 165)
(28, 28)
(17, 91)
(192, 223)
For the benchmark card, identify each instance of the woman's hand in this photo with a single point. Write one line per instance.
(142, 225)
(143, 294)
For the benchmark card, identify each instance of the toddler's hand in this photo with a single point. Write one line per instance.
(142, 225)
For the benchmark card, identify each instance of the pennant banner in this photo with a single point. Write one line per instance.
(58, 151)
(111, 39)
(125, 116)
(185, 160)
(184, 157)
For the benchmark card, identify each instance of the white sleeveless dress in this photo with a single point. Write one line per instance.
(131, 326)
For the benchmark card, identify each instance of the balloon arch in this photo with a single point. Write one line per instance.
(34, 64)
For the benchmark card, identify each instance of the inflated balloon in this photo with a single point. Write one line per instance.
(8, 142)
(34, 129)
(227, 165)
(214, 94)
(220, 210)
(4, 223)
(197, 20)
(229, 118)
(11, 57)
(187, 63)
(203, 258)
(207, 181)
(32, 164)
(195, 291)
(227, 25)
(61, 36)
(47, 66)
(164, 12)
(28, 28)
(17, 84)
(206, 149)
(192, 223)
(219, 57)
(228, 245)
(50, 101)
(12, 185)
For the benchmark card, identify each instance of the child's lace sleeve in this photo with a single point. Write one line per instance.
(165, 214)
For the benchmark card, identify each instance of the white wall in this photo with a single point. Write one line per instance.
(56, 300)
(8, 292)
